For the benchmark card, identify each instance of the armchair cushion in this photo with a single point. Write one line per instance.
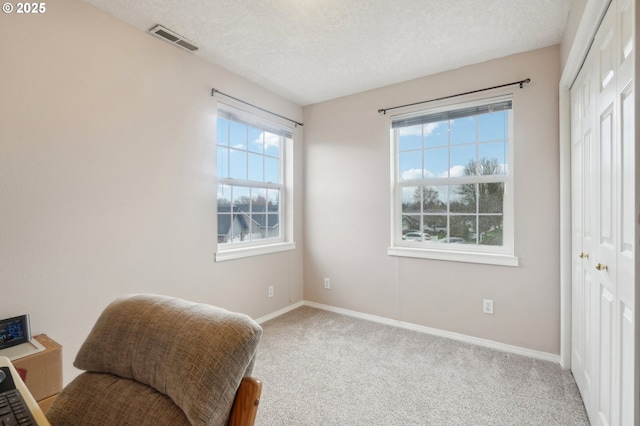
(195, 354)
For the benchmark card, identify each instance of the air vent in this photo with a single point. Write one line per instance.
(173, 38)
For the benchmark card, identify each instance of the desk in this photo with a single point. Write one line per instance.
(37, 413)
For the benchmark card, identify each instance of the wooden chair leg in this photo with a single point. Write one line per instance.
(245, 405)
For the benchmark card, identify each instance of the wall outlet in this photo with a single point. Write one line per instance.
(487, 306)
(270, 291)
(327, 283)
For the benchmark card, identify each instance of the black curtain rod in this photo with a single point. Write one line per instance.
(521, 83)
(214, 91)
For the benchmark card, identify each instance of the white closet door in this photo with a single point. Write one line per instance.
(625, 232)
(583, 331)
(603, 203)
(604, 209)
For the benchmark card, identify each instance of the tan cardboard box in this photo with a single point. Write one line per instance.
(46, 403)
(42, 372)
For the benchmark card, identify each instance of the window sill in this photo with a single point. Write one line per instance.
(239, 253)
(455, 256)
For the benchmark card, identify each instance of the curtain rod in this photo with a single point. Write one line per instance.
(521, 83)
(214, 91)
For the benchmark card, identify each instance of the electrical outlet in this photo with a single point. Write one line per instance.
(327, 283)
(270, 293)
(487, 306)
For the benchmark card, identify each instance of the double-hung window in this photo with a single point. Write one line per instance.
(251, 184)
(452, 191)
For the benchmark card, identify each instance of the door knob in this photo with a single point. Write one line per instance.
(584, 255)
(601, 267)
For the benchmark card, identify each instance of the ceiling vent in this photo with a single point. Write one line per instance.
(173, 38)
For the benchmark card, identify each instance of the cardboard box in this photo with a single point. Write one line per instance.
(42, 372)
(46, 403)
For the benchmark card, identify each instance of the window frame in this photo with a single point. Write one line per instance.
(260, 120)
(493, 255)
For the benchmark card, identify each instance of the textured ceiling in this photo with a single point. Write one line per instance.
(314, 50)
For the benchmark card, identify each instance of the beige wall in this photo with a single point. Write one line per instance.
(107, 175)
(346, 166)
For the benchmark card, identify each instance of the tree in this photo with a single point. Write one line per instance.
(428, 197)
(484, 197)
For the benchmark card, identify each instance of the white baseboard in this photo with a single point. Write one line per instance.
(545, 356)
(279, 312)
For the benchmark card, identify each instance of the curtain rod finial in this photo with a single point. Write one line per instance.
(381, 110)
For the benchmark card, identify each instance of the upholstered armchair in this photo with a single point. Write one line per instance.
(157, 360)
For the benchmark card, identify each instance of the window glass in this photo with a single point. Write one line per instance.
(436, 163)
(452, 174)
(250, 180)
(436, 134)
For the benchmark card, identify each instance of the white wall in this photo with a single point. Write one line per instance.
(107, 175)
(346, 166)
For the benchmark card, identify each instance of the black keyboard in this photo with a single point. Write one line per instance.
(13, 408)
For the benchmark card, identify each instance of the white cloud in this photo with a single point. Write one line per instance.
(270, 140)
(417, 130)
(412, 174)
(416, 174)
(458, 171)
(455, 171)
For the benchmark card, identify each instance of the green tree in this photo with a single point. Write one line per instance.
(485, 197)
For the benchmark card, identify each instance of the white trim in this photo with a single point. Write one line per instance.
(239, 253)
(264, 122)
(589, 24)
(279, 312)
(566, 264)
(492, 255)
(545, 356)
(456, 256)
(591, 17)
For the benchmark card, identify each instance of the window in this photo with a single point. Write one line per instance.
(452, 189)
(251, 159)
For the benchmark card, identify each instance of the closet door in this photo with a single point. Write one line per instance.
(625, 175)
(605, 214)
(603, 204)
(583, 310)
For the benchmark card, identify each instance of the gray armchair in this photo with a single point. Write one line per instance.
(157, 360)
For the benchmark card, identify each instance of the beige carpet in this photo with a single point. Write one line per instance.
(323, 368)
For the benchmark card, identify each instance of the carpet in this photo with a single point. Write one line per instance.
(324, 368)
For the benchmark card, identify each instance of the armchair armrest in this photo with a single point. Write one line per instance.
(245, 405)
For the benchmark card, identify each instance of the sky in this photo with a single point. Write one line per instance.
(443, 149)
(247, 153)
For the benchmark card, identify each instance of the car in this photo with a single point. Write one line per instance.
(455, 240)
(416, 236)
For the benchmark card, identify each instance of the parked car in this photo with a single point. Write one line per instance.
(416, 236)
(456, 240)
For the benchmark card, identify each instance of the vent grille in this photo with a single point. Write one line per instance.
(173, 38)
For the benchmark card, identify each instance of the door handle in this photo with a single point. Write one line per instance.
(584, 255)
(601, 267)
